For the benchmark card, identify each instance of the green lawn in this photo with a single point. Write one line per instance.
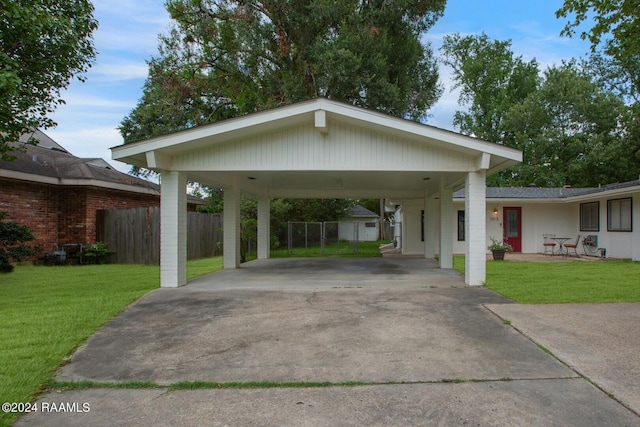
(563, 282)
(47, 312)
(341, 249)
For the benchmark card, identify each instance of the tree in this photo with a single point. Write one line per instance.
(616, 30)
(43, 45)
(12, 243)
(228, 58)
(491, 80)
(571, 132)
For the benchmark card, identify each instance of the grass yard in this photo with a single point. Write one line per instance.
(47, 312)
(340, 249)
(563, 282)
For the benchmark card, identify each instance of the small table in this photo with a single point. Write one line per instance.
(561, 249)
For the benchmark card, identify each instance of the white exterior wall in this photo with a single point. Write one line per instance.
(619, 244)
(537, 219)
(561, 219)
(300, 147)
(346, 229)
(412, 243)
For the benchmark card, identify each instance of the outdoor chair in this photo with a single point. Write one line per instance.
(549, 244)
(573, 246)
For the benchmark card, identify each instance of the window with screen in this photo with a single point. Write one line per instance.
(590, 216)
(619, 215)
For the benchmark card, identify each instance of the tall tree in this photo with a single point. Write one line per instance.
(43, 45)
(615, 30)
(491, 80)
(571, 132)
(233, 57)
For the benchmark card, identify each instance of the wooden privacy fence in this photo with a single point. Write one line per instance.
(134, 234)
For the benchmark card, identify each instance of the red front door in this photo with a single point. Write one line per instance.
(513, 227)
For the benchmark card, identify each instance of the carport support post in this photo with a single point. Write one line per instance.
(231, 227)
(446, 227)
(264, 227)
(475, 271)
(173, 229)
(429, 227)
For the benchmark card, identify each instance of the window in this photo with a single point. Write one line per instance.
(619, 214)
(461, 226)
(590, 216)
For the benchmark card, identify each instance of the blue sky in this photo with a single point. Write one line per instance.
(128, 35)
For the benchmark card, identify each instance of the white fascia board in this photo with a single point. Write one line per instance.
(295, 110)
(207, 131)
(423, 130)
(616, 192)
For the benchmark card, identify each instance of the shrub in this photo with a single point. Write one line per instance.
(12, 243)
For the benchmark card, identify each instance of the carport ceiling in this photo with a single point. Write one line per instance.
(321, 148)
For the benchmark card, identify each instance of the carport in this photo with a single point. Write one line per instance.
(322, 149)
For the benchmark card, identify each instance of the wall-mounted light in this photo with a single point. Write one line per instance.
(494, 214)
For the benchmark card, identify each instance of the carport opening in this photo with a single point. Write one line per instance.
(314, 227)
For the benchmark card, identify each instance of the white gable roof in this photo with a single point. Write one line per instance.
(321, 148)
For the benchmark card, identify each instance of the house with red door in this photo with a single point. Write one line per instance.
(604, 221)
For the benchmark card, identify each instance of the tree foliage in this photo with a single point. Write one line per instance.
(12, 243)
(491, 79)
(43, 45)
(571, 127)
(571, 133)
(616, 30)
(228, 58)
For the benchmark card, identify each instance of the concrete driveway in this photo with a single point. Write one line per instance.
(418, 346)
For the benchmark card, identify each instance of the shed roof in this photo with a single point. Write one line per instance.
(360, 211)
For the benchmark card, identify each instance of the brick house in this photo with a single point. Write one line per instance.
(57, 194)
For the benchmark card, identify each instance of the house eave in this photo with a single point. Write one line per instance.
(74, 182)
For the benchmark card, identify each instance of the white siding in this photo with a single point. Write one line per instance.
(412, 243)
(302, 147)
(563, 220)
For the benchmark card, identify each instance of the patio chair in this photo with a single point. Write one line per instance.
(548, 244)
(573, 246)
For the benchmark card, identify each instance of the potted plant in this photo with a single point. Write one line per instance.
(499, 248)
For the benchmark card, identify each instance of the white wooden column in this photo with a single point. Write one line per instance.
(475, 228)
(446, 227)
(429, 227)
(264, 227)
(231, 227)
(173, 229)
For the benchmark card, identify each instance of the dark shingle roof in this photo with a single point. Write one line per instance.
(60, 164)
(360, 211)
(546, 193)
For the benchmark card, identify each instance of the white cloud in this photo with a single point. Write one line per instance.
(114, 69)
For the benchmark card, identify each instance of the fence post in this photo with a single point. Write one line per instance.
(357, 237)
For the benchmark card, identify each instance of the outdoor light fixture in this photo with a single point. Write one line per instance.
(494, 214)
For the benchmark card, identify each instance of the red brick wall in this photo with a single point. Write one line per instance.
(34, 205)
(63, 215)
